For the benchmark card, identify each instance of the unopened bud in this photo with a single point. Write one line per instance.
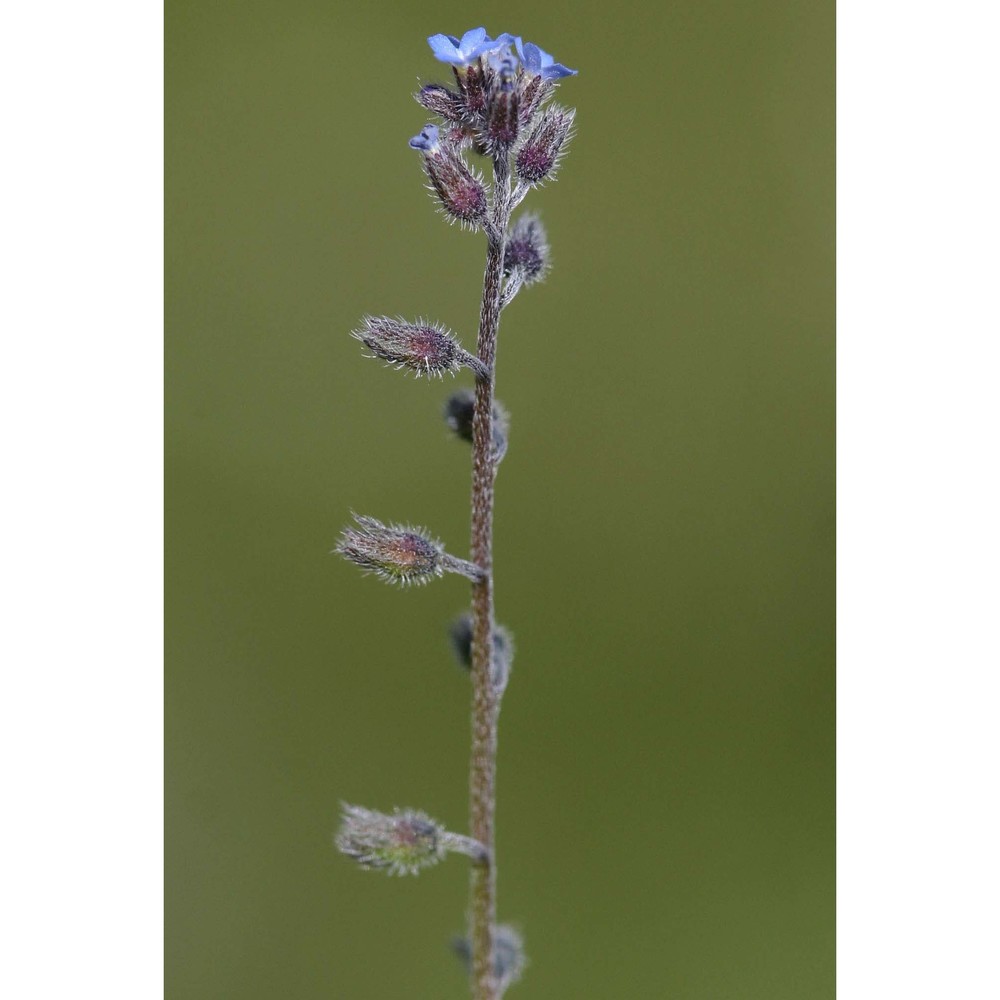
(540, 151)
(503, 650)
(502, 122)
(509, 959)
(394, 553)
(459, 411)
(418, 347)
(534, 91)
(401, 844)
(527, 252)
(441, 101)
(461, 193)
(472, 84)
(399, 554)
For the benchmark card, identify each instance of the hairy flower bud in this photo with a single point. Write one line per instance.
(540, 152)
(503, 120)
(399, 554)
(458, 412)
(418, 347)
(503, 650)
(462, 193)
(402, 844)
(527, 252)
(509, 959)
(394, 553)
(441, 101)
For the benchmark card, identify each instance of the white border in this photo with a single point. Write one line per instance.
(80, 411)
(918, 500)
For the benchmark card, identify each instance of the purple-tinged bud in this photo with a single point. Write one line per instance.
(461, 192)
(526, 254)
(418, 347)
(401, 844)
(441, 101)
(503, 650)
(472, 85)
(509, 959)
(398, 553)
(502, 122)
(394, 553)
(534, 91)
(540, 151)
(458, 414)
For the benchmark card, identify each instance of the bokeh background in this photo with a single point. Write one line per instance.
(665, 528)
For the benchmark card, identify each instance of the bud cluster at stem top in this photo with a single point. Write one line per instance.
(500, 87)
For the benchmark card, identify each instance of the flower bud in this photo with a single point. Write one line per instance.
(502, 121)
(394, 553)
(398, 554)
(458, 414)
(403, 844)
(503, 650)
(540, 151)
(526, 255)
(509, 959)
(461, 193)
(417, 347)
(441, 101)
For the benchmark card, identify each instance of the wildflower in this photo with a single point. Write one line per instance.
(539, 62)
(468, 49)
(403, 844)
(427, 139)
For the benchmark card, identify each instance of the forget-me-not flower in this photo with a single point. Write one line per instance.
(462, 52)
(538, 61)
(427, 140)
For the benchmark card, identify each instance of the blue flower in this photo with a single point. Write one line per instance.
(472, 45)
(538, 61)
(427, 140)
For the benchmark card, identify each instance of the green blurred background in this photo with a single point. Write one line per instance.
(665, 520)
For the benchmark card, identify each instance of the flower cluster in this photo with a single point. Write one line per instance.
(496, 106)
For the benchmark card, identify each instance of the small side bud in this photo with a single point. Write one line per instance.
(509, 959)
(540, 152)
(400, 554)
(418, 347)
(394, 553)
(441, 101)
(401, 844)
(503, 650)
(458, 413)
(462, 193)
(527, 252)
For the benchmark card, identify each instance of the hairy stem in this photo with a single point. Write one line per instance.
(482, 766)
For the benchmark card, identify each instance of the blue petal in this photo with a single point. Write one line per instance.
(471, 39)
(557, 70)
(444, 47)
(426, 140)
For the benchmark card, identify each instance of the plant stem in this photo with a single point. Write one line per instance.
(482, 766)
